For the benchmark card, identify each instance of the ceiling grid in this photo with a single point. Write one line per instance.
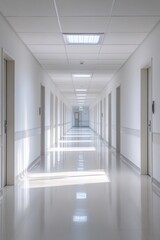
(41, 24)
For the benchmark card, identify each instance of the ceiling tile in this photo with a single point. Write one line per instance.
(47, 56)
(113, 56)
(63, 80)
(82, 57)
(84, 7)
(132, 24)
(94, 90)
(137, 7)
(27, 8)
(105, 62)
(108, 67)
(60, 75)
(124, 38)
(34, 24)
(53, 61)
(102, 76)
(41, 38)
(63, 89)
(83, 49)
(118, 49)
(47, 49)
(84, 24)
(55, 67)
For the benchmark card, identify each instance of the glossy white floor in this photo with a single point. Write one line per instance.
(82, 190)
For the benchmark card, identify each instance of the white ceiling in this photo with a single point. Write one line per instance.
(125, 24)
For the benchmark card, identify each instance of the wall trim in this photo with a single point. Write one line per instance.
(131, 164)
(156, 184)
(131, 131)
(1, 194)
(22, 175)
(27, 133)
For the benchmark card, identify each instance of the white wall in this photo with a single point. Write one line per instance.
(28, 79)
(129, 79)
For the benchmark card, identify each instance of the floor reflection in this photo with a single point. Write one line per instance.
(81, 194)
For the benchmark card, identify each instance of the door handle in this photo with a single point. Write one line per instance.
(150, 125)
(5, 126)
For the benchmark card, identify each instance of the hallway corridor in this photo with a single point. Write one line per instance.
(82, 190)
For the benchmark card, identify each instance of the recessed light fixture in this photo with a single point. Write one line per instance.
(81, 75)
(83, 38)
(81, 94)
(81, 90)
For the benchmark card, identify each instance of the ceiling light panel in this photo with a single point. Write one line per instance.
(81, 75)
(84, 97)
(81, 95)
(81, 90)
(83, 39)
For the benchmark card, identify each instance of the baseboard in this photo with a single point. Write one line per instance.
(23, 174)
(156, 185)
(129, 163)
(1, 194)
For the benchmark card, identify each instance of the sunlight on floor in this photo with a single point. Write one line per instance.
(72, 149)
(75, 141)
(42, 180)
(79, 136)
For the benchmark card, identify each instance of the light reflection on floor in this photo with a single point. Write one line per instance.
(79, 195)
(72, 149)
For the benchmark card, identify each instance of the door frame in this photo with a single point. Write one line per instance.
(118, 118)
(8, 113)
(101, 120)
(51, 119)
(56, 120)
(144, 119)
(110, 119)
(104, 119)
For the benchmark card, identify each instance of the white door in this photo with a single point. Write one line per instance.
(4, 128)
(149, 163)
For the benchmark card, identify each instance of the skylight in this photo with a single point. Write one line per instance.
(82, 39)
